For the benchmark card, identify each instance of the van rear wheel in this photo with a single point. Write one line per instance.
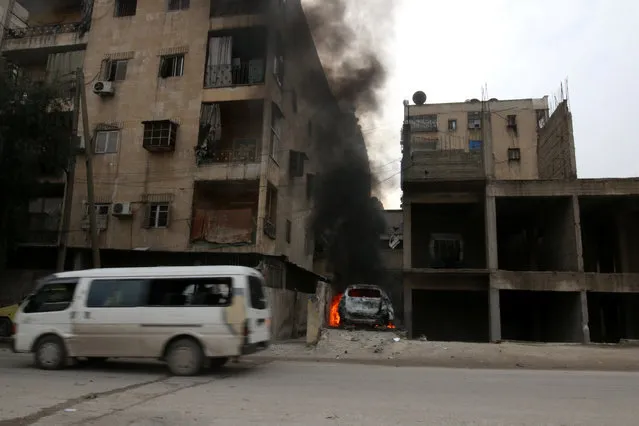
(50, 353)
(185, 358)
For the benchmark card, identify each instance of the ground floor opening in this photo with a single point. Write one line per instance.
(613, 317)
(450, 315)
(541, 316)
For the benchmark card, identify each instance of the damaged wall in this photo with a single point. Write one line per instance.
(288, 313)
(556, 146)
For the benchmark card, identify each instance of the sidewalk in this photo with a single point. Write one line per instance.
(389, 348)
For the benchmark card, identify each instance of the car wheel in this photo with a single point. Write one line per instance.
(184, 358)
(50, 353)
(5, 327)
(218, 362)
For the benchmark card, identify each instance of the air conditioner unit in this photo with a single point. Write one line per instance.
(103, 88)
(121, 209)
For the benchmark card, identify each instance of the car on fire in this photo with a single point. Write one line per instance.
(365, 304)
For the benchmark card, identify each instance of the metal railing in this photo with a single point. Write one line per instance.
(42, 30)
(244, 74)
(221, 8)
(231, 156)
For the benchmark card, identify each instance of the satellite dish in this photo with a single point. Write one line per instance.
(419, 98)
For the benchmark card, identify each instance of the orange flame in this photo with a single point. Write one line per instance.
(333, 314)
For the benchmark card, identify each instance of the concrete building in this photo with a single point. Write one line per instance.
(201, 130)
(501, 240)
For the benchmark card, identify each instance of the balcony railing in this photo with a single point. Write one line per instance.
(244, 74)
(44, 30)
(239, 155)
(221, 8)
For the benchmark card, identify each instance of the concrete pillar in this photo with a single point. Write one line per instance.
(577, 227)
(492, 261)
(407, 237)
(585, 328)
(495, 315)
(408, 309)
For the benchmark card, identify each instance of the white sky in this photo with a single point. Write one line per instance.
(520, 49)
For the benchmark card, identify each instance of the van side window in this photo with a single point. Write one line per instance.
(214, 291)
(52, 297)
(114, 293)
(257, 297)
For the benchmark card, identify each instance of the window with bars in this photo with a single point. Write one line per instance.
(106, 141)
(157, 215)
(452, 125)
(159, 135)
(178, 5)
(423, 123)
(172, 66)
(125, 8)
(116, 70)
(514, 154)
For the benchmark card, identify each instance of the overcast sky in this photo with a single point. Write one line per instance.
(520, 49)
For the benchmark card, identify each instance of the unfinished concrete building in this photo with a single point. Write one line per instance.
(201, 132)
(501, 240)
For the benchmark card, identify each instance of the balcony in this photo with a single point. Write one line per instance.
(439, 157)
(236, 58)
(225, 8)
(229, 140)
(59, 26)
(224, 214)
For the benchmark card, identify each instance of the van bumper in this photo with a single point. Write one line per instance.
(251, 348)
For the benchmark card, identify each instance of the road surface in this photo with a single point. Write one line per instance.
(289, 393)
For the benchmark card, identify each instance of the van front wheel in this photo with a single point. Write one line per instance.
(50, 353)
(185, 358)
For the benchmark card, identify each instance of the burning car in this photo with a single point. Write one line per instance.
(362, 304)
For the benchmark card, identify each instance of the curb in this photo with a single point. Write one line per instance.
(621, 366)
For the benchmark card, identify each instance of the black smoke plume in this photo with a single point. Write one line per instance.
(347, 220)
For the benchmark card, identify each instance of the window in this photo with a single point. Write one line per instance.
(116, 70)
(296, 161)
(157, 215)
(256, 290)
(178, 4)
(125, 8)
(452, 125)
(514, 154)
(423, 123)
(511, 121)
(51, 297)
(116, 293)
(214, 291)
(159, 135)
(276, 130)
(172, 66)
(101, 209)
(474, 120)
(289, 231)
(446, 250)
(271, 212)
(106, 141)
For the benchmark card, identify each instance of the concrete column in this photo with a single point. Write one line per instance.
(407, 208)
(492, 261)
(408, 309)
(585, 328)
(495, 315)
(577, 227)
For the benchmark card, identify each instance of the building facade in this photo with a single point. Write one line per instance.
(501, 240)
(200, 130)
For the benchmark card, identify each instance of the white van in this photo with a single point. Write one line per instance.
(181, 315)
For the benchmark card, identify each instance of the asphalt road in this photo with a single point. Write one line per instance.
(288, 393)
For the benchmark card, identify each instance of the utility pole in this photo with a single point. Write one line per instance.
(88, 142)
(68, 189)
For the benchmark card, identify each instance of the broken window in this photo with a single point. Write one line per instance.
(125, 8)
(446, 250)
(106, 141)
(116, 70)
(474, 120)
(296, 163)
(423, 123)
(114, 293)
(157, 215)
(511, 121)
(214, 291)
(172, 66)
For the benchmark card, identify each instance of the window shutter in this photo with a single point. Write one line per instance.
(106, 72)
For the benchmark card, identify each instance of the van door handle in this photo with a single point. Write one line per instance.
(87, 315)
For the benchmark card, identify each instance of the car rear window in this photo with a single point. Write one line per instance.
(370, 293)
(256, 290)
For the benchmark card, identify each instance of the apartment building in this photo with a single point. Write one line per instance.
(501, 240)
(200, 126)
